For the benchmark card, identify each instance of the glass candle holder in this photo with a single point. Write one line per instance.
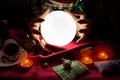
(102, 55)
(27, 63)
(87, 60)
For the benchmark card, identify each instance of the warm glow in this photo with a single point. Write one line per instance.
(87, 60)
(86, 51)
(59, 28)
(102, 55)
(26, 63)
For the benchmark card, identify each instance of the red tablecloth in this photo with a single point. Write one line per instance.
(40, 72)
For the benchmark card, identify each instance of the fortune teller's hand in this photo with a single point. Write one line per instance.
(34, 26)
(83, 25)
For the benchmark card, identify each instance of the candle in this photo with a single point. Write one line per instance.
(87, 60)
(102, 55)
(26, 63)
(86, 51)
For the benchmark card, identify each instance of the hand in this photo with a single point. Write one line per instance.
(83, 28)
(83, 25)
(34, 32)
(34, 26)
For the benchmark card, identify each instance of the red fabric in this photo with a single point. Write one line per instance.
(59, 52)
(40, 72)
(18, 35)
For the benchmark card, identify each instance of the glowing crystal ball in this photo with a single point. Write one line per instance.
(59, 28)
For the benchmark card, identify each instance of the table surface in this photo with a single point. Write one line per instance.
(41, 72)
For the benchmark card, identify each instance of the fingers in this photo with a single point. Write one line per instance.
(46, 12)
(84, 26)
(34, 26)
(84, 21)
(42, 44)
(36, 38)
(81, 37)
(83, 30)
(35, 31)
(71, 15)
(80, 16)
(35, 21)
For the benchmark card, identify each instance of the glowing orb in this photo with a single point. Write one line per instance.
(59, 28)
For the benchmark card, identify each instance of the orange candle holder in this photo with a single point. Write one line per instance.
(102, 55)
(87, 60)
(27, 63)
(86, 51)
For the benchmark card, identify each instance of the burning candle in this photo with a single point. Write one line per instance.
(102, 55)
(26, 63)
(87, 60)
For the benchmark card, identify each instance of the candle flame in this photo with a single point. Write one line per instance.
(87, 60)
(26, 63)
(102, 55)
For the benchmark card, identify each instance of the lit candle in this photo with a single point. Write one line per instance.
(26, 63)
(87, 60)
(102, 55)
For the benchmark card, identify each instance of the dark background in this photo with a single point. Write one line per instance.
(103, 13)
